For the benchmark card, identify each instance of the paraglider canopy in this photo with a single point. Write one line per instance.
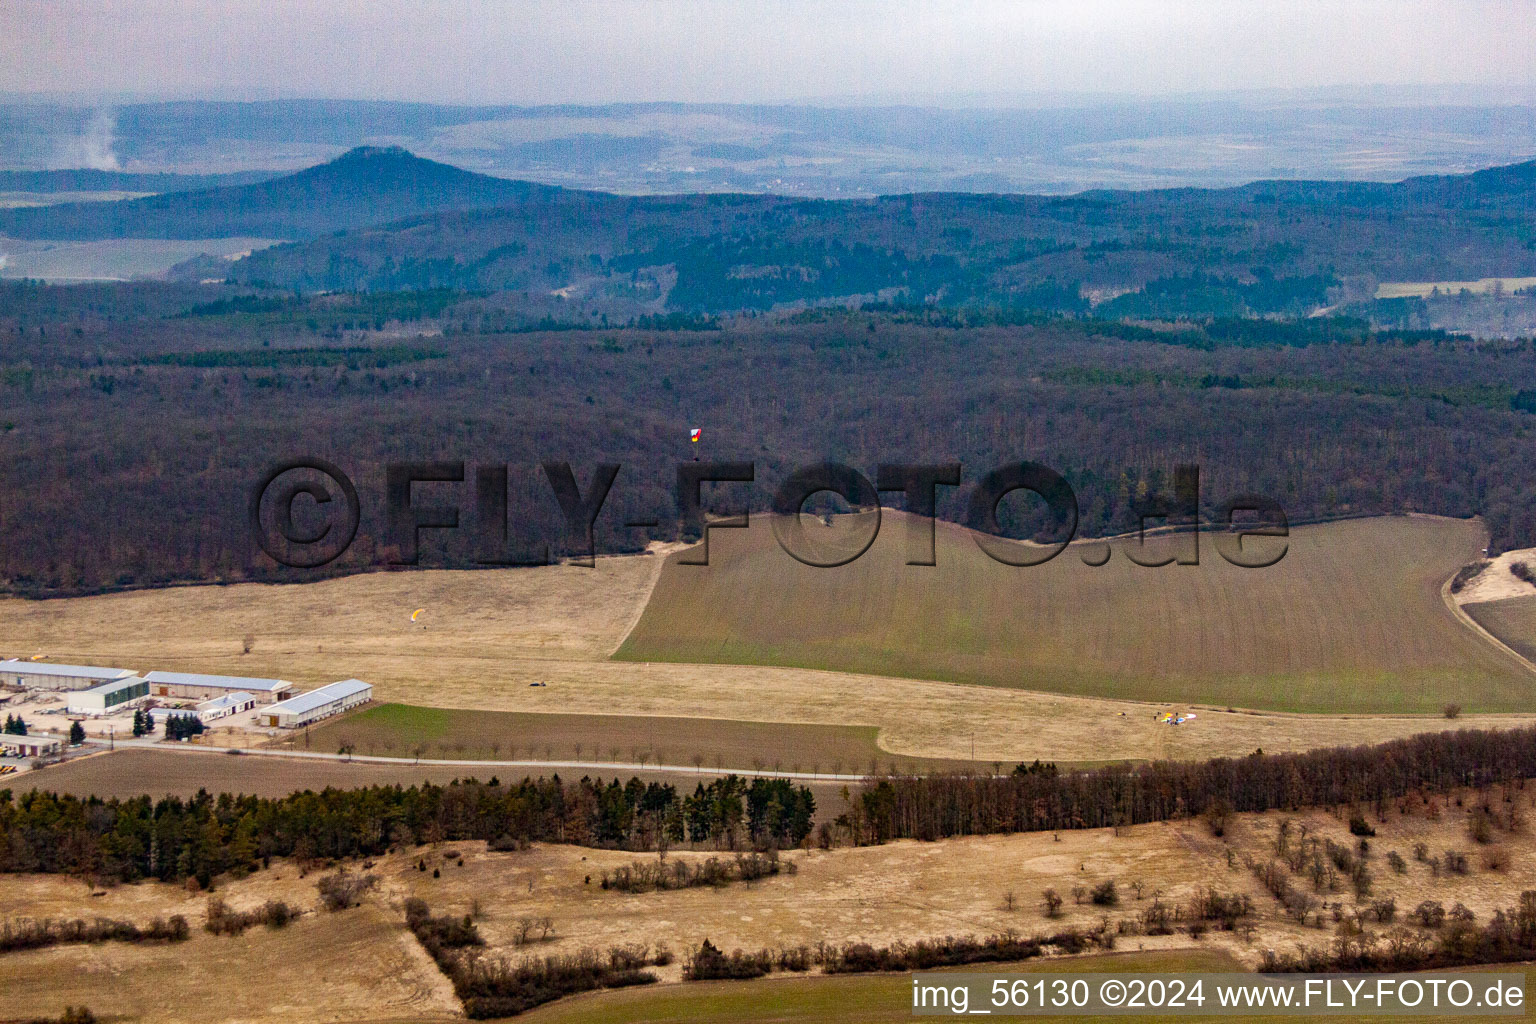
(695, 434)
(417, 614)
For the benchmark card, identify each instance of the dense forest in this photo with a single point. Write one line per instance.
(173, 839)
(137, 419)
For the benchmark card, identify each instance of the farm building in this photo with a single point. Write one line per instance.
(108, 697)
(229, 704)
(35, 675)
(191, 686)
(317, 704)
(35, 745)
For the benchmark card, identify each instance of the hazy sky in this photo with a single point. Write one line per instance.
(750, 50)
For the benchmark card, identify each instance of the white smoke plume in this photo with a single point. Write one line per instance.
(94, 147)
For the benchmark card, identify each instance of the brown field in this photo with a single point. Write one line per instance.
(1512, 620)
(487, 634)
(399, 730)
(1351, 620)
(361, 965)
(357, 966)
(182, 773)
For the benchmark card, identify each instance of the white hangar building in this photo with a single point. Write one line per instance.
(317, 704)
(39, 675)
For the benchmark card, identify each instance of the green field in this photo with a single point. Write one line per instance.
(882, 998)
(1350, 620)
(847, 999)
(403, 730)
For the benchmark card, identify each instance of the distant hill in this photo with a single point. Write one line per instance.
(364, 186)
(1268, 248)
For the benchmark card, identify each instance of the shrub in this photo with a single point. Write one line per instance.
(952, 951)
(437, 934)
(1105, 894)
(655, 876)
(1480, 826)
(1156, 919)
(1467, 573)
(1218, 815)
(1358, 826)
(29, 933)
(1053, 901)
(1226, 908)
(341, 890)
(491, 987)
(709, 962)
(1429, 914)
(221, 920)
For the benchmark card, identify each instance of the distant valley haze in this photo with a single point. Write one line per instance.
(817, 99)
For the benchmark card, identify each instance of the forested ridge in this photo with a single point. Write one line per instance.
(136, 419)
(1271, 247)
(385, 220)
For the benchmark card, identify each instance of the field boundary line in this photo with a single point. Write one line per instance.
(429, 762)
(1477, 627)
(662, 553)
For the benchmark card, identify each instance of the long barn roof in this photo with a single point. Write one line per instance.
(43, 668)
(222, 682)
(317, 698)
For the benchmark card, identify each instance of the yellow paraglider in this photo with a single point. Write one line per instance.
(417, 614)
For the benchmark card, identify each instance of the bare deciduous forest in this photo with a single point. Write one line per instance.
(137, 418)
